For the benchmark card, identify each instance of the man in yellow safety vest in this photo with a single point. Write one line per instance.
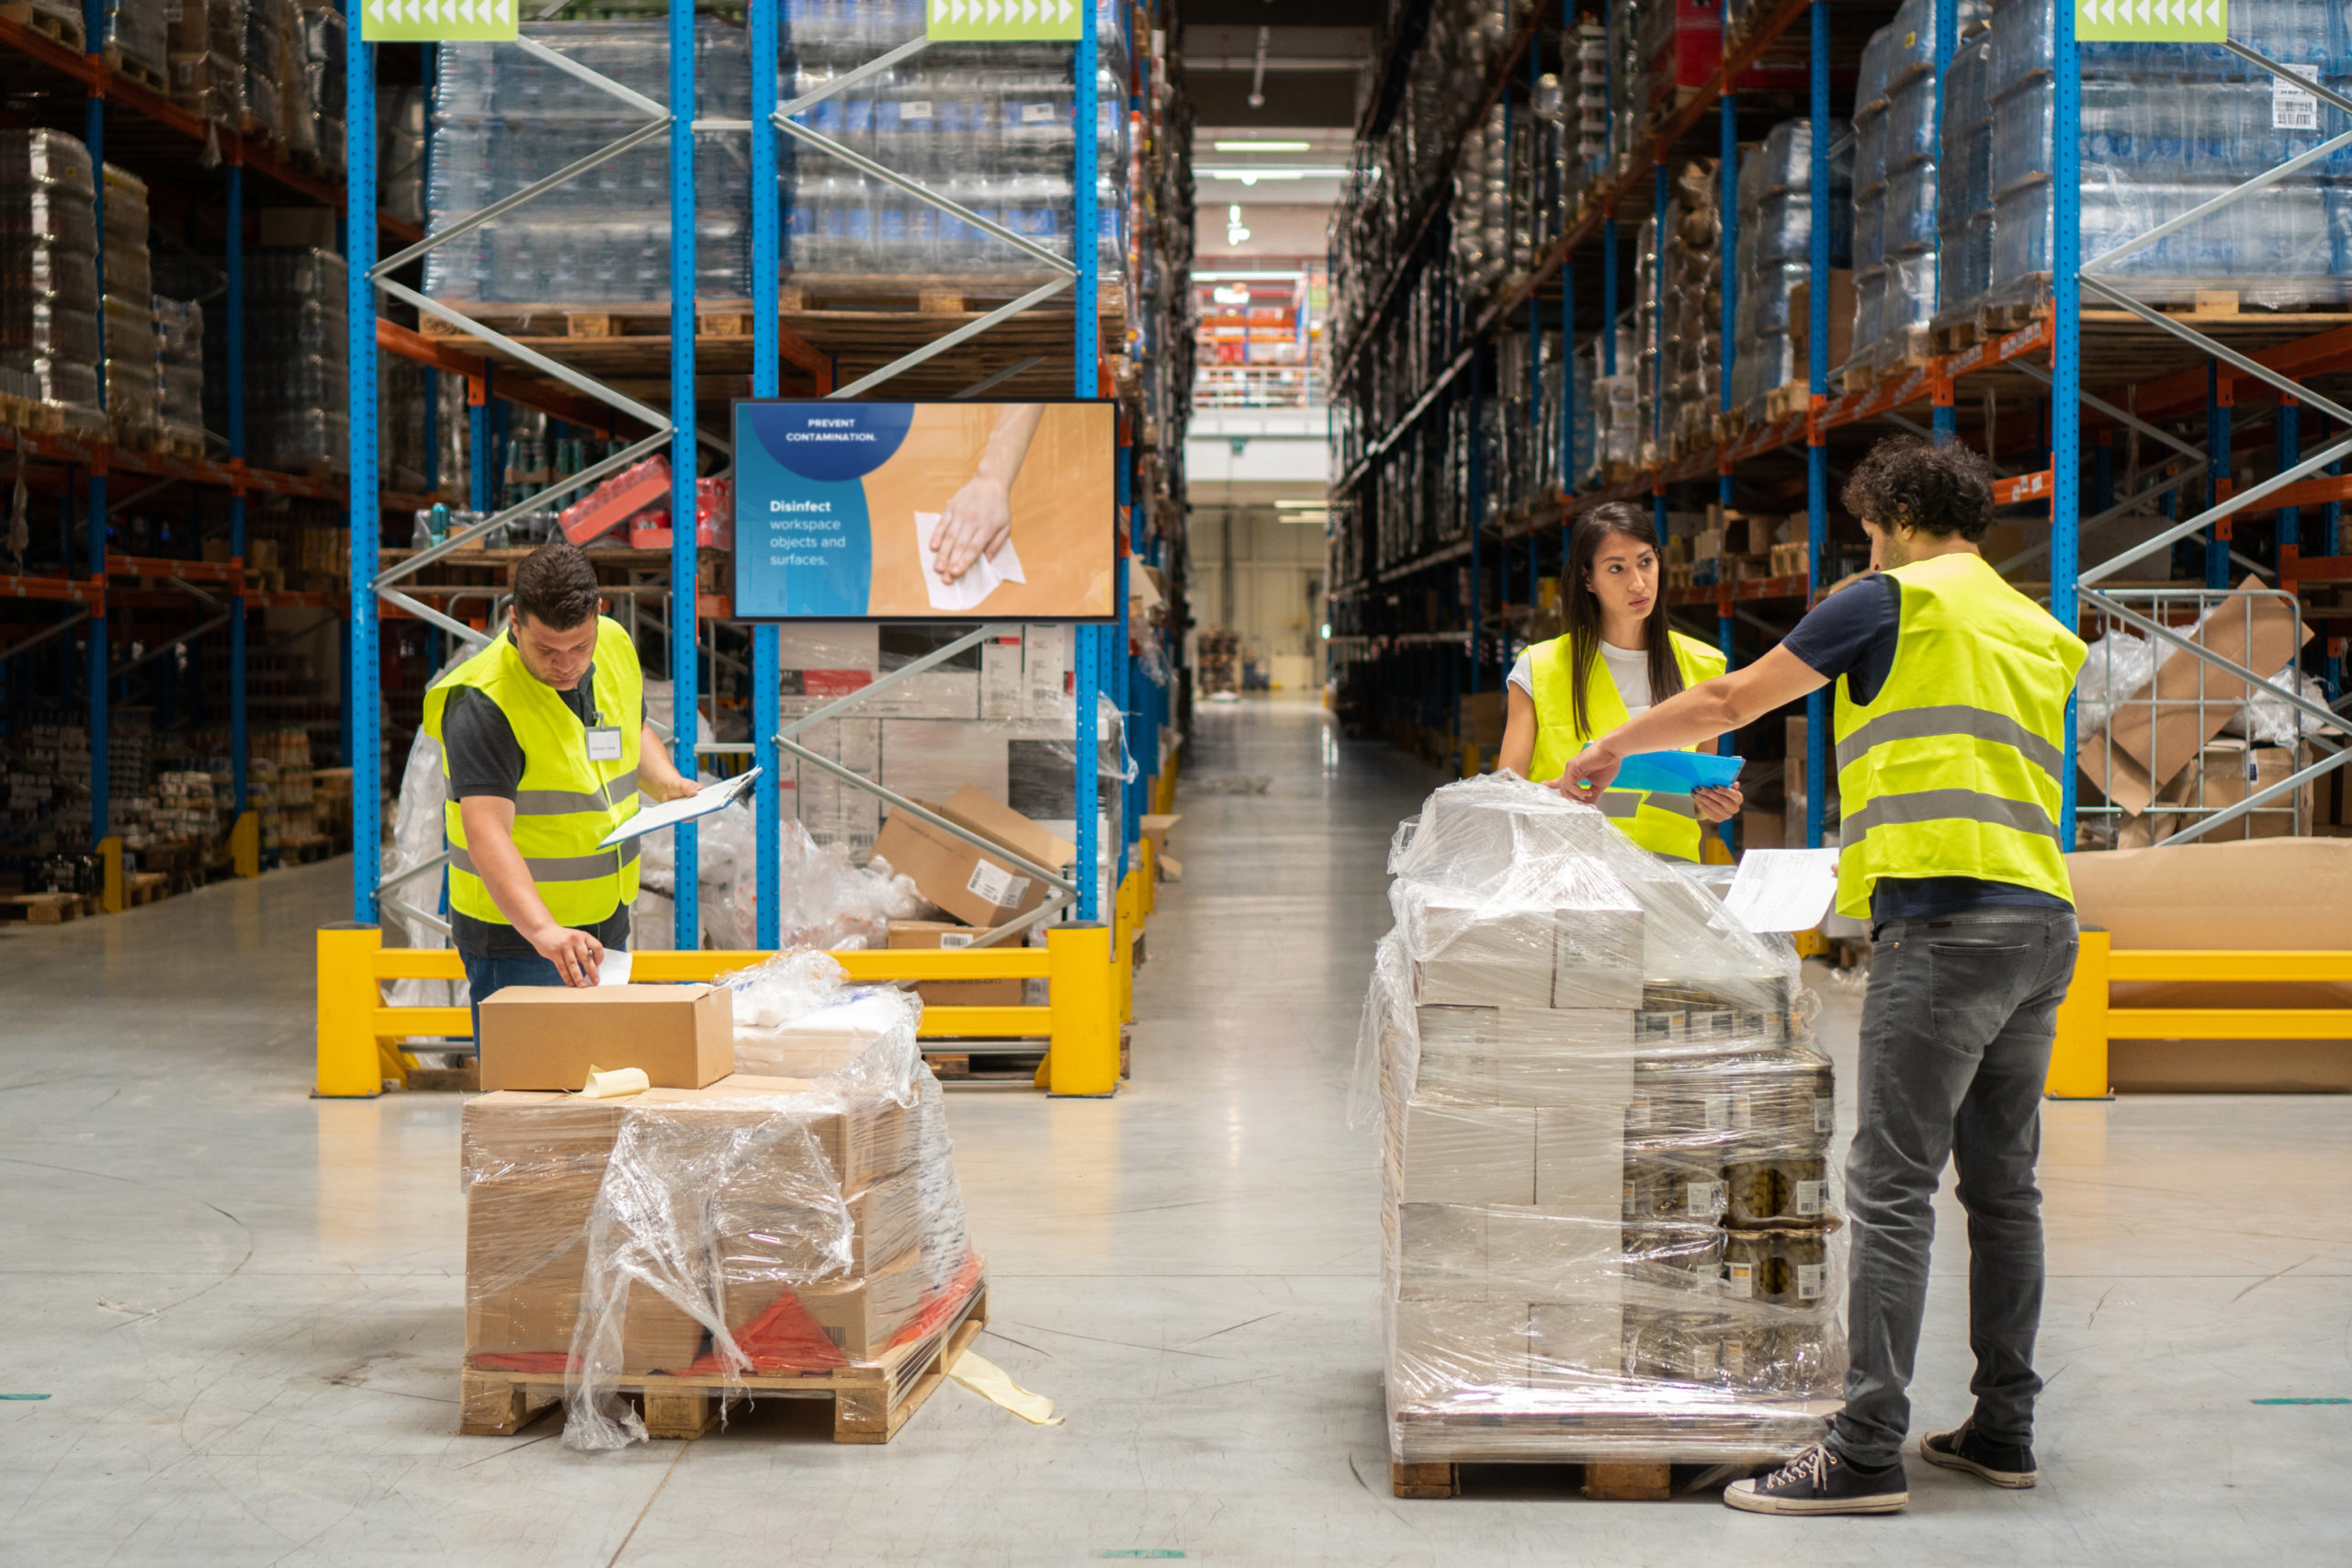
(544, 750)
(1950, 735)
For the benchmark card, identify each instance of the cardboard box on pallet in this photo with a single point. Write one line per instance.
(971, 883)
(547, 1037)
(927, 935)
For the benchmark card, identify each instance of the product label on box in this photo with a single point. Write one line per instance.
(1705, 1198)
(2291, 108)
(1825, 1114)
(1037, 114)
(1743, 1112)
(1714, 1111)
(993, 883)
(1812, 1279)
(1739, 1282)
(1812, 1196)
(915, 109)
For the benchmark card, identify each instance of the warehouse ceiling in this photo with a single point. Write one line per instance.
(1276, 91)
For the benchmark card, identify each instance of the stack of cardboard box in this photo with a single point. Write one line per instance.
(711, 1198)
(1605, 1193)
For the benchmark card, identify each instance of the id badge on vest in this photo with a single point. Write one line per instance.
(604, 743)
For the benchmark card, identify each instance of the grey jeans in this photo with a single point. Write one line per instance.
(1956, 1031)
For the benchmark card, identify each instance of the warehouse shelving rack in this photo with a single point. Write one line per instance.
(124, 120)
(574, 379)
(2057, 354)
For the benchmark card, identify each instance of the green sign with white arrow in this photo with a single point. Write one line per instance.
(1003, 21)
(2152, 21)
(404, 21)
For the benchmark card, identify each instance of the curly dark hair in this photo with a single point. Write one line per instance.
(1940, 488)
(556, 586)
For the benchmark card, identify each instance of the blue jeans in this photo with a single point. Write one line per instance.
(1956, 1032)
(485, 975)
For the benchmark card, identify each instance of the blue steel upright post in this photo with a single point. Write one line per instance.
(1657, 335)
(1816, 454)
(1534, 311)
(235, 257)
(767, 795)
(1944, 417)
(366, 501)
(685, 670)
(1086, 355)
(2219, 394)
(2066, 364)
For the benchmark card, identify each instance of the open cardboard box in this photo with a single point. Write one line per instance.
(2141, 749)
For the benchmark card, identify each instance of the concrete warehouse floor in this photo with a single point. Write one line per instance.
(243, 1307)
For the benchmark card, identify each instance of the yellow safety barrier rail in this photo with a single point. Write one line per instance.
(2086, 1021)
(1088, 996)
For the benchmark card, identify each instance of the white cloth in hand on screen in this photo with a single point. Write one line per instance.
(1629, 667)
(982, 578)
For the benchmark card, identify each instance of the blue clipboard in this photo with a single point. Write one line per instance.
(1674, 773)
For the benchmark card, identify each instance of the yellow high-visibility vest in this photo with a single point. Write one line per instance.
(1668, 825)
(566, 802)
(1956, 767)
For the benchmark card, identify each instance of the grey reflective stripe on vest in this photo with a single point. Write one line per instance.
(559, 868)
(1952, 719)
(563, 802)
(1621, 803)
(1947, 806)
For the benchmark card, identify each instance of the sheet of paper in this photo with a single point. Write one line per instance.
(670, 813)
(613, 970)
(1783, 890)
(983, 578)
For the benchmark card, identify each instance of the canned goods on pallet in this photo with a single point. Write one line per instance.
(1660, 1186)
(1777, 1267)
(1684, 1258)
(1786, 1190)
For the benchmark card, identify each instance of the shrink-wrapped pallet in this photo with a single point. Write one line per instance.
(1609, 1219)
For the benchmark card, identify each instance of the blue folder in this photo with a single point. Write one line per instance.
(1674, 773)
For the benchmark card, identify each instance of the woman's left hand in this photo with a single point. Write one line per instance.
(1718, 805)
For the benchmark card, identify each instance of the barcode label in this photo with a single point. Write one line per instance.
(1042, 114)
(2291, 108)
(1811, 1196)
(1811, 1279)
(914, 109)
(993, 883)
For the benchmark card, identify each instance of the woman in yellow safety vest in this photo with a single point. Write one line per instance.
(1619, 656)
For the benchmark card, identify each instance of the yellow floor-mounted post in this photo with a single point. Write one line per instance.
(2078, 1054)
(245, 844)
(349, 1066)
(1147, 865)
(1084, 1057)
(112, 892)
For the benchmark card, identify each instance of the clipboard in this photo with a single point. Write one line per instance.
(1674, 773)
(670, 813)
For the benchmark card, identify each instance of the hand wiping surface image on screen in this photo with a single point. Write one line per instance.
(978, 522)
(985, 576)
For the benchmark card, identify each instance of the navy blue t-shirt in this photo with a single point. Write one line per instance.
(1853, 634)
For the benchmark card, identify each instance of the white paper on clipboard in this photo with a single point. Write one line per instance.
(1783, 890)
(670, 813)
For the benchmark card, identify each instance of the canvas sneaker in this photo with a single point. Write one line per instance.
(2002, 1464)
(1819, 1482)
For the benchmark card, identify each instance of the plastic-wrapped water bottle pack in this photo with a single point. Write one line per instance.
(993, 129)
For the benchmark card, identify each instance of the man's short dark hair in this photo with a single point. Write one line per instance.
(1940, 488)
(556, 586)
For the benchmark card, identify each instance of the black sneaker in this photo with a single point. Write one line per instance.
(2002, 1464)
(1818, 1481)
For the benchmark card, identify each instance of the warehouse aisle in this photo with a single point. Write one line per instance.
(243, 1307)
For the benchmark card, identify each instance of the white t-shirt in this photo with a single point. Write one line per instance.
(1629, 667)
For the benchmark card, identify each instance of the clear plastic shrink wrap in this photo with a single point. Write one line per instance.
(1610, 1218)
(761, 1226)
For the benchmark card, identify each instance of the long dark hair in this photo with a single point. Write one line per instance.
(1585, 535)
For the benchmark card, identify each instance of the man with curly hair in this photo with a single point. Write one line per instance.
(1951, 690)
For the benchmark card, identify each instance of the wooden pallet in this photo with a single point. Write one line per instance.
(1789, 398)
(870, 1403)
(145, 888)
(47, 909)
(66, 30)
(1601, 1483)
(122, 65)
(1955, 337)
(301, 851)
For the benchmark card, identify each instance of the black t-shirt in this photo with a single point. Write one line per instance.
(484, 758)
(1853, 635)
